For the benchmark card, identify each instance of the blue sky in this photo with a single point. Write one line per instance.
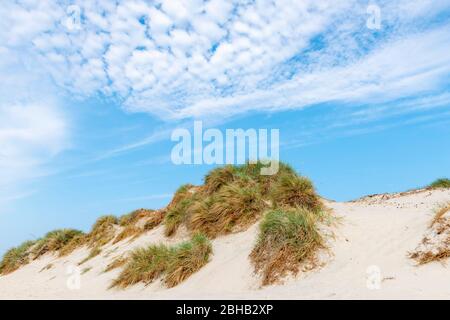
(90, 92)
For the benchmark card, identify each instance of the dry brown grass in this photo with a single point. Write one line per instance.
(288, 238)
(75, 243)
(92, 254)
(435, 246)
(293, 190)
(219, 177)
(186, 259)
(177, 215)
(154, 220)
(233, 206)
(54, 241)
(116, 263)
(103, 231)
(127, 232)
(440, 213)
(183, 192)
(16, 257)
(174, 263)
(134, 216)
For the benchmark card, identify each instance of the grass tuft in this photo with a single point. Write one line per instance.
(16, 257)
(295, 191)
(54, 241)
(92, 254)
(435, 246)
(443, 183)
(186, 259)
(219, 177)
(134, 216)
(116, 263)
(176, 216)
(103, 231)
(232, 206)
(287, 238)
(174, 263)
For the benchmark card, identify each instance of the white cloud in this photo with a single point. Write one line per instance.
(179, 59)
(29, 136)
(33, 129)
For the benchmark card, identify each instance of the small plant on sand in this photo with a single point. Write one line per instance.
(287, 238)
(176, 216)
(293, 190)
(154, 220)
(16, 257)
(186, 259)
(103, 231)
(127, 232)
(233, 206)
(134, 216)
(75, 243)
(54, 241)
(92, 254)
(435, 246)
(440, 183)
(219, 177)
(174, 263)
(116, 263)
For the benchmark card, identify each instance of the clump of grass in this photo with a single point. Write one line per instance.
(176, 216)
(233, 206)
(116, 263)
(219, 177)
(103, 231)
(174, 263)
(92, 254)
(54, 241)
(182, 193)
(287, 238)
(186, 259)
(440, 213)
(86, 270)
(134, 216)
(47, 267)
(435, 246)
(75, 243)
(295, 191)
(127, 232)
(145, 265)
(154, 220)
(443, 183)
(16, 257)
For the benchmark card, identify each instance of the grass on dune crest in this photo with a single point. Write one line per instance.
(16, 257)
(287, 238)
(442, 183)
(232, 206)
(177, 215)
(103, 231)
(174, 264)
(292, 190)
(234, 197)
(219, 177)
(54, 241)
(134, 216)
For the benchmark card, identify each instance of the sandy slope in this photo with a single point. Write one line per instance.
(374, 231)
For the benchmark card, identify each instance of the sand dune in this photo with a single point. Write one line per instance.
(368, 261)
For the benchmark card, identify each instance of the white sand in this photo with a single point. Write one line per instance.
(374, 231)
